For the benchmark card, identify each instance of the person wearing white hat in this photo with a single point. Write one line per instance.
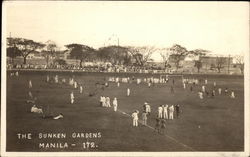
(115, 104)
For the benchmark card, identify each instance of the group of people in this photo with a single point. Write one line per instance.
(105, 102)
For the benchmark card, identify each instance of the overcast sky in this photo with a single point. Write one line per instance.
(221, 27)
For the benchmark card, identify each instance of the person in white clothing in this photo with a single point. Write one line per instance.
(128, 92)
(72, 97)
(200, 95)
(219, 90)
(165, 112)
(75, 84)
(80, 89)
(135, 118)
(160, 109)
(171, 112)
(108, 102)
(115, 104)
(148, 108)
(203, 88)
(30, 84)
(232, 95)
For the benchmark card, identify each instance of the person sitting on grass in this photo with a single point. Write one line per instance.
(232, 95)
(35, 109)
(60, 116)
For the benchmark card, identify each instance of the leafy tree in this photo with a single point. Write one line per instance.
(49, 50)
(60, 61)
(114, 54)
(25, 46)
(13, 52)
(141, 54)
(198, 65)
(199, 53)
(80, 52)
(165, 54)
(178, 54)
(220, 61)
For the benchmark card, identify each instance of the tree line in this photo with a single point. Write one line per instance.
(117, 55)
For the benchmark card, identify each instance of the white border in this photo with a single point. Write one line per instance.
(146, 154)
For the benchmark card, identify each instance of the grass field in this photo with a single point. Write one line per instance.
(221, 119)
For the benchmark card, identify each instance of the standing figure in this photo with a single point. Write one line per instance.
(30, 84)
(163, 126)
(205, 81)
(171, 112)
(157, 125)
(72, 97)
(118, 84)
(203, 88)
(219, 90)
(177, 110)
(47, 79)
(80, 89)
(172, 89)
(108, 102)
(144, 118)
(165, 112)
(115, 104)
(75, 84)
(160, 109)
(128, 92)
(214, 84)
(148, 108)
(135, 118)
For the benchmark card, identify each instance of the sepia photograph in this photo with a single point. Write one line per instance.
(125, 78)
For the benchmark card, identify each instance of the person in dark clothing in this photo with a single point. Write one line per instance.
(177, 109)
(157, 125)
(163, 126)
(172, 89)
